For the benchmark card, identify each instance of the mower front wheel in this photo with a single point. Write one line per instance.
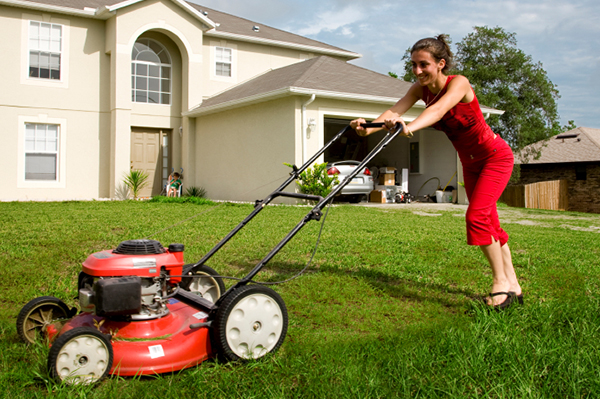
(204, 281)
(82, 355)
(38, 314)
(250, 322)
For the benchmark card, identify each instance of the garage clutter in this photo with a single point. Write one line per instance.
(387, 191)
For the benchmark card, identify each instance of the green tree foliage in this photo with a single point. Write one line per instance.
(506, 78)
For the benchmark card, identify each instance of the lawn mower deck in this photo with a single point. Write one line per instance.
(162, 345)
(143, 311)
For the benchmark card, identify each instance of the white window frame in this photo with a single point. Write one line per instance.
(26, 49)
(223, 57)
(214, 59)
(41, 140)
(160, 78)
(45, 40)
(61, 125)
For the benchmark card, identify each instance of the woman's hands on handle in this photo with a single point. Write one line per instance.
(388, 124)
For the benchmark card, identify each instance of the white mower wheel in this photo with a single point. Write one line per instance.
(82, 355)
(203, 281)
(39, 313)
(250, 322)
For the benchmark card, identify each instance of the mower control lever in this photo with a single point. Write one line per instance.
(200, 325)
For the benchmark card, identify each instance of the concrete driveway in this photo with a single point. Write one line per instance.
(421, 206)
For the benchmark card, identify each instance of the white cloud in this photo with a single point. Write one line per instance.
(331, 20)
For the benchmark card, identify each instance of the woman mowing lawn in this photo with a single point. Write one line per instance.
(451, 106)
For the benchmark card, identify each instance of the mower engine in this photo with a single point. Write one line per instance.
(132, 282)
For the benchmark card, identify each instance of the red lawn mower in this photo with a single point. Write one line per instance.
(143, 311)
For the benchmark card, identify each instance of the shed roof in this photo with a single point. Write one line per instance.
(581, 144)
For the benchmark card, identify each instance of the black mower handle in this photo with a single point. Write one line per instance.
(372, 124)
(398, 127)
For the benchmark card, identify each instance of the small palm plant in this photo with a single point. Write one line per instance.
(194, 191)
(136, 180)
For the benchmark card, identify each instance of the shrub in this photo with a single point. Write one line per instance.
(194, 191)
(316, 181)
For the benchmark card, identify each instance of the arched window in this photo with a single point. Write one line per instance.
(150, 73)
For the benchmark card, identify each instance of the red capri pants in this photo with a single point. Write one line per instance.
(485, 180)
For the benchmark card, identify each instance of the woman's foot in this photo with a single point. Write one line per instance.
(509, 298)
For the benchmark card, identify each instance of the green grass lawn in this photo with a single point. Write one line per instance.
(388, 307)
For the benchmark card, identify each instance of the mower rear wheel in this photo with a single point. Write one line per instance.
(203, 281)
(38, 314)
(82, 355)
(250, 322)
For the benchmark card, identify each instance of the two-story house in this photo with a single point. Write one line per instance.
(95, 88)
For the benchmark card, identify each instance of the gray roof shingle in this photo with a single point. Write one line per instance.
(583, 145)
(240, 26)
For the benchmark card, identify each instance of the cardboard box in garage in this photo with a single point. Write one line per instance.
(387, 179)
(378, 196)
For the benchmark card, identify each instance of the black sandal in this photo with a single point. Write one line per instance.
(518, 297)
(510, 298)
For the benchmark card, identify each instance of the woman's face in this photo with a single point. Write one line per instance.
(425, 68)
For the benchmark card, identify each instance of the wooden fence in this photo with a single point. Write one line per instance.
(551, 195)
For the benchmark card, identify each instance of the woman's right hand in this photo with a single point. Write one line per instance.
(356, 125)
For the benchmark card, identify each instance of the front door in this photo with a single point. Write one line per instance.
(147, 155)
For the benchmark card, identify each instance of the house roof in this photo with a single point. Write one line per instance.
(219, 24)
(232, 27)
(326, 77)
(578, 145)
(323, 76)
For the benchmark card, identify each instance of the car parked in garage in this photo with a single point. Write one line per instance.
(360, 186)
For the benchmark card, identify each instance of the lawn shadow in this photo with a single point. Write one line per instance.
(451, 297)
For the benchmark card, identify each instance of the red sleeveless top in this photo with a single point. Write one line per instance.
(464, 125)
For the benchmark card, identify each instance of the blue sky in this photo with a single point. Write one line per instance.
(563, 35)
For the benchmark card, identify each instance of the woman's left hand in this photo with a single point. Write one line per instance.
(391, 123)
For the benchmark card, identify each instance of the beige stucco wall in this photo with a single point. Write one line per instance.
(240, 155)
(78, 103)
(92, 101)
(249, 60)
(158, 20)
(81, 161)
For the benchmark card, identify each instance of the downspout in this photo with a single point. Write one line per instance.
(304, 127)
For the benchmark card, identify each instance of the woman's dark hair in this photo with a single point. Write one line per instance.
(439, 49)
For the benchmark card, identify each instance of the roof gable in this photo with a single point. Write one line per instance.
(581, 144)
(97, 9)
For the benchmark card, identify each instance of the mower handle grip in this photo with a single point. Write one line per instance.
(367, 125)
(398, 127)
(378, 124)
